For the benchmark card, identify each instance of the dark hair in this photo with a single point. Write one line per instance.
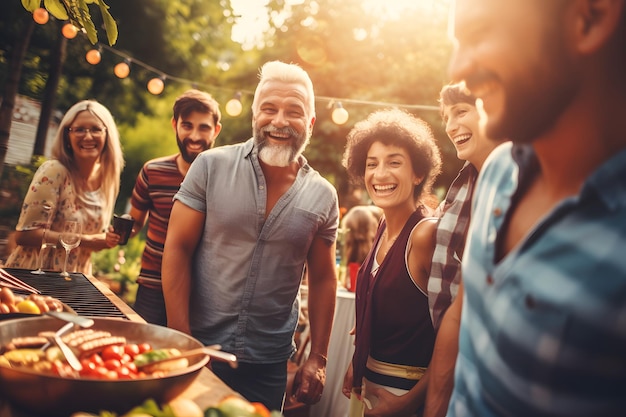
(199, 101)
(455, 93)
(399, 128)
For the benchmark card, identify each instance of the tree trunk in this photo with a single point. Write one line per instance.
(10, 91)
(57, 59)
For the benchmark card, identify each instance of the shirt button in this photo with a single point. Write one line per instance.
(489, 280)
(530, 301)
(261, 187)
(497, 212)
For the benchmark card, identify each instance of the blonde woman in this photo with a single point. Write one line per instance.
(81, 181)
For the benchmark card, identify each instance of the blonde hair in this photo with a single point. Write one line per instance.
(111, 158)
(361, 224)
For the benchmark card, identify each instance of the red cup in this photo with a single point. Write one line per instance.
(353, 269)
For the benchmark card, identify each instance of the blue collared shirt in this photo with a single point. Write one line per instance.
(247, 269)
(543, 331)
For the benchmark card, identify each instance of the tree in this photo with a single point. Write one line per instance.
(20, 41)
(77, 13)
(350, 52)
(353, 52)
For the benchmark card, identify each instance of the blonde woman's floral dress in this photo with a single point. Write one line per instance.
(53, 185)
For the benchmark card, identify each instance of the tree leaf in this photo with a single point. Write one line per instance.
(56, 9)
(80, 12)
(109, 23)
(31, 5)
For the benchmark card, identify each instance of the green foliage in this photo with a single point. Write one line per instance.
(56, 9)
(13, 187)
(150, 137)
(121, 264)
(350, 51)
(77, 12)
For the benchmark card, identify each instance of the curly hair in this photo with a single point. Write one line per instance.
(398, 128)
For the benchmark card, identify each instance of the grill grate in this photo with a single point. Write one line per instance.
(79, 293)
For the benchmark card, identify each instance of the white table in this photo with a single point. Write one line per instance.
(340, 350)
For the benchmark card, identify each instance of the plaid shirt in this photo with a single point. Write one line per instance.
(445, 272)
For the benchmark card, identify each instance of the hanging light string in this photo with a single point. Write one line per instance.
(155, 85)
(334, 102)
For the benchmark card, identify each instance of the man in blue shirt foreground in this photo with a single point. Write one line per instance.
(246, 221)
(542, 308)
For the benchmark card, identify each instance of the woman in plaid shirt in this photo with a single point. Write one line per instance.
(460, 116)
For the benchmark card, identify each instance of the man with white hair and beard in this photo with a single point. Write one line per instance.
(196, 124)
(246, 221)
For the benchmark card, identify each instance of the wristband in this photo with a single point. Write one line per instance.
(324, 357)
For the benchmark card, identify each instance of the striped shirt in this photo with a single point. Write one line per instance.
(445, 270)
(156, 185)
(543, 331)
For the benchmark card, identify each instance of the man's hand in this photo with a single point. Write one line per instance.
(309, 381)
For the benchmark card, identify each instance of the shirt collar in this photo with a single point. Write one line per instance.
(607, 182)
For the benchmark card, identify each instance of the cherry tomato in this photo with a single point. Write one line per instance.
(260, 409)
(89, 368)
(113, 352)
(95, 358)
(144, 347)
(131, 367)
(112, 364)
(131, 349)
(123, 372)
(111, 375)
(126, 358)
(100, 372)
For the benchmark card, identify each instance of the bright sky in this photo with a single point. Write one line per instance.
(254, 20)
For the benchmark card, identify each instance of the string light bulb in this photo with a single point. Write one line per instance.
(93, 56)
(340, 115)
(156, 85)
(234, 107)
(122, 69)
(41, 16)
(69, 31)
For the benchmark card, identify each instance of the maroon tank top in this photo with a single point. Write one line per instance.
(392, 318)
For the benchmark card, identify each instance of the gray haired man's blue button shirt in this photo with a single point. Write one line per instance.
(247, 269)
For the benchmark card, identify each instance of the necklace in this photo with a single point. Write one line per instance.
(388, 243)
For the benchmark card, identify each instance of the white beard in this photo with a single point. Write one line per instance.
(277, 155)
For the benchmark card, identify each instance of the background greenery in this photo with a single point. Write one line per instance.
(350, 49)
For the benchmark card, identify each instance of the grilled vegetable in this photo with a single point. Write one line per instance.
(154, 355)
(23, 356)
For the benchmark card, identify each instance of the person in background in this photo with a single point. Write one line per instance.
(359, 225)
(460, 116)
(539, 317)
(196, 124)
(395, 155)
(81, 180)
(246, 221)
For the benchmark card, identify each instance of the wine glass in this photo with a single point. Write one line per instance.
(46, 241)
(70, 239)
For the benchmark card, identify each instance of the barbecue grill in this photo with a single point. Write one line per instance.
(83, 295)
